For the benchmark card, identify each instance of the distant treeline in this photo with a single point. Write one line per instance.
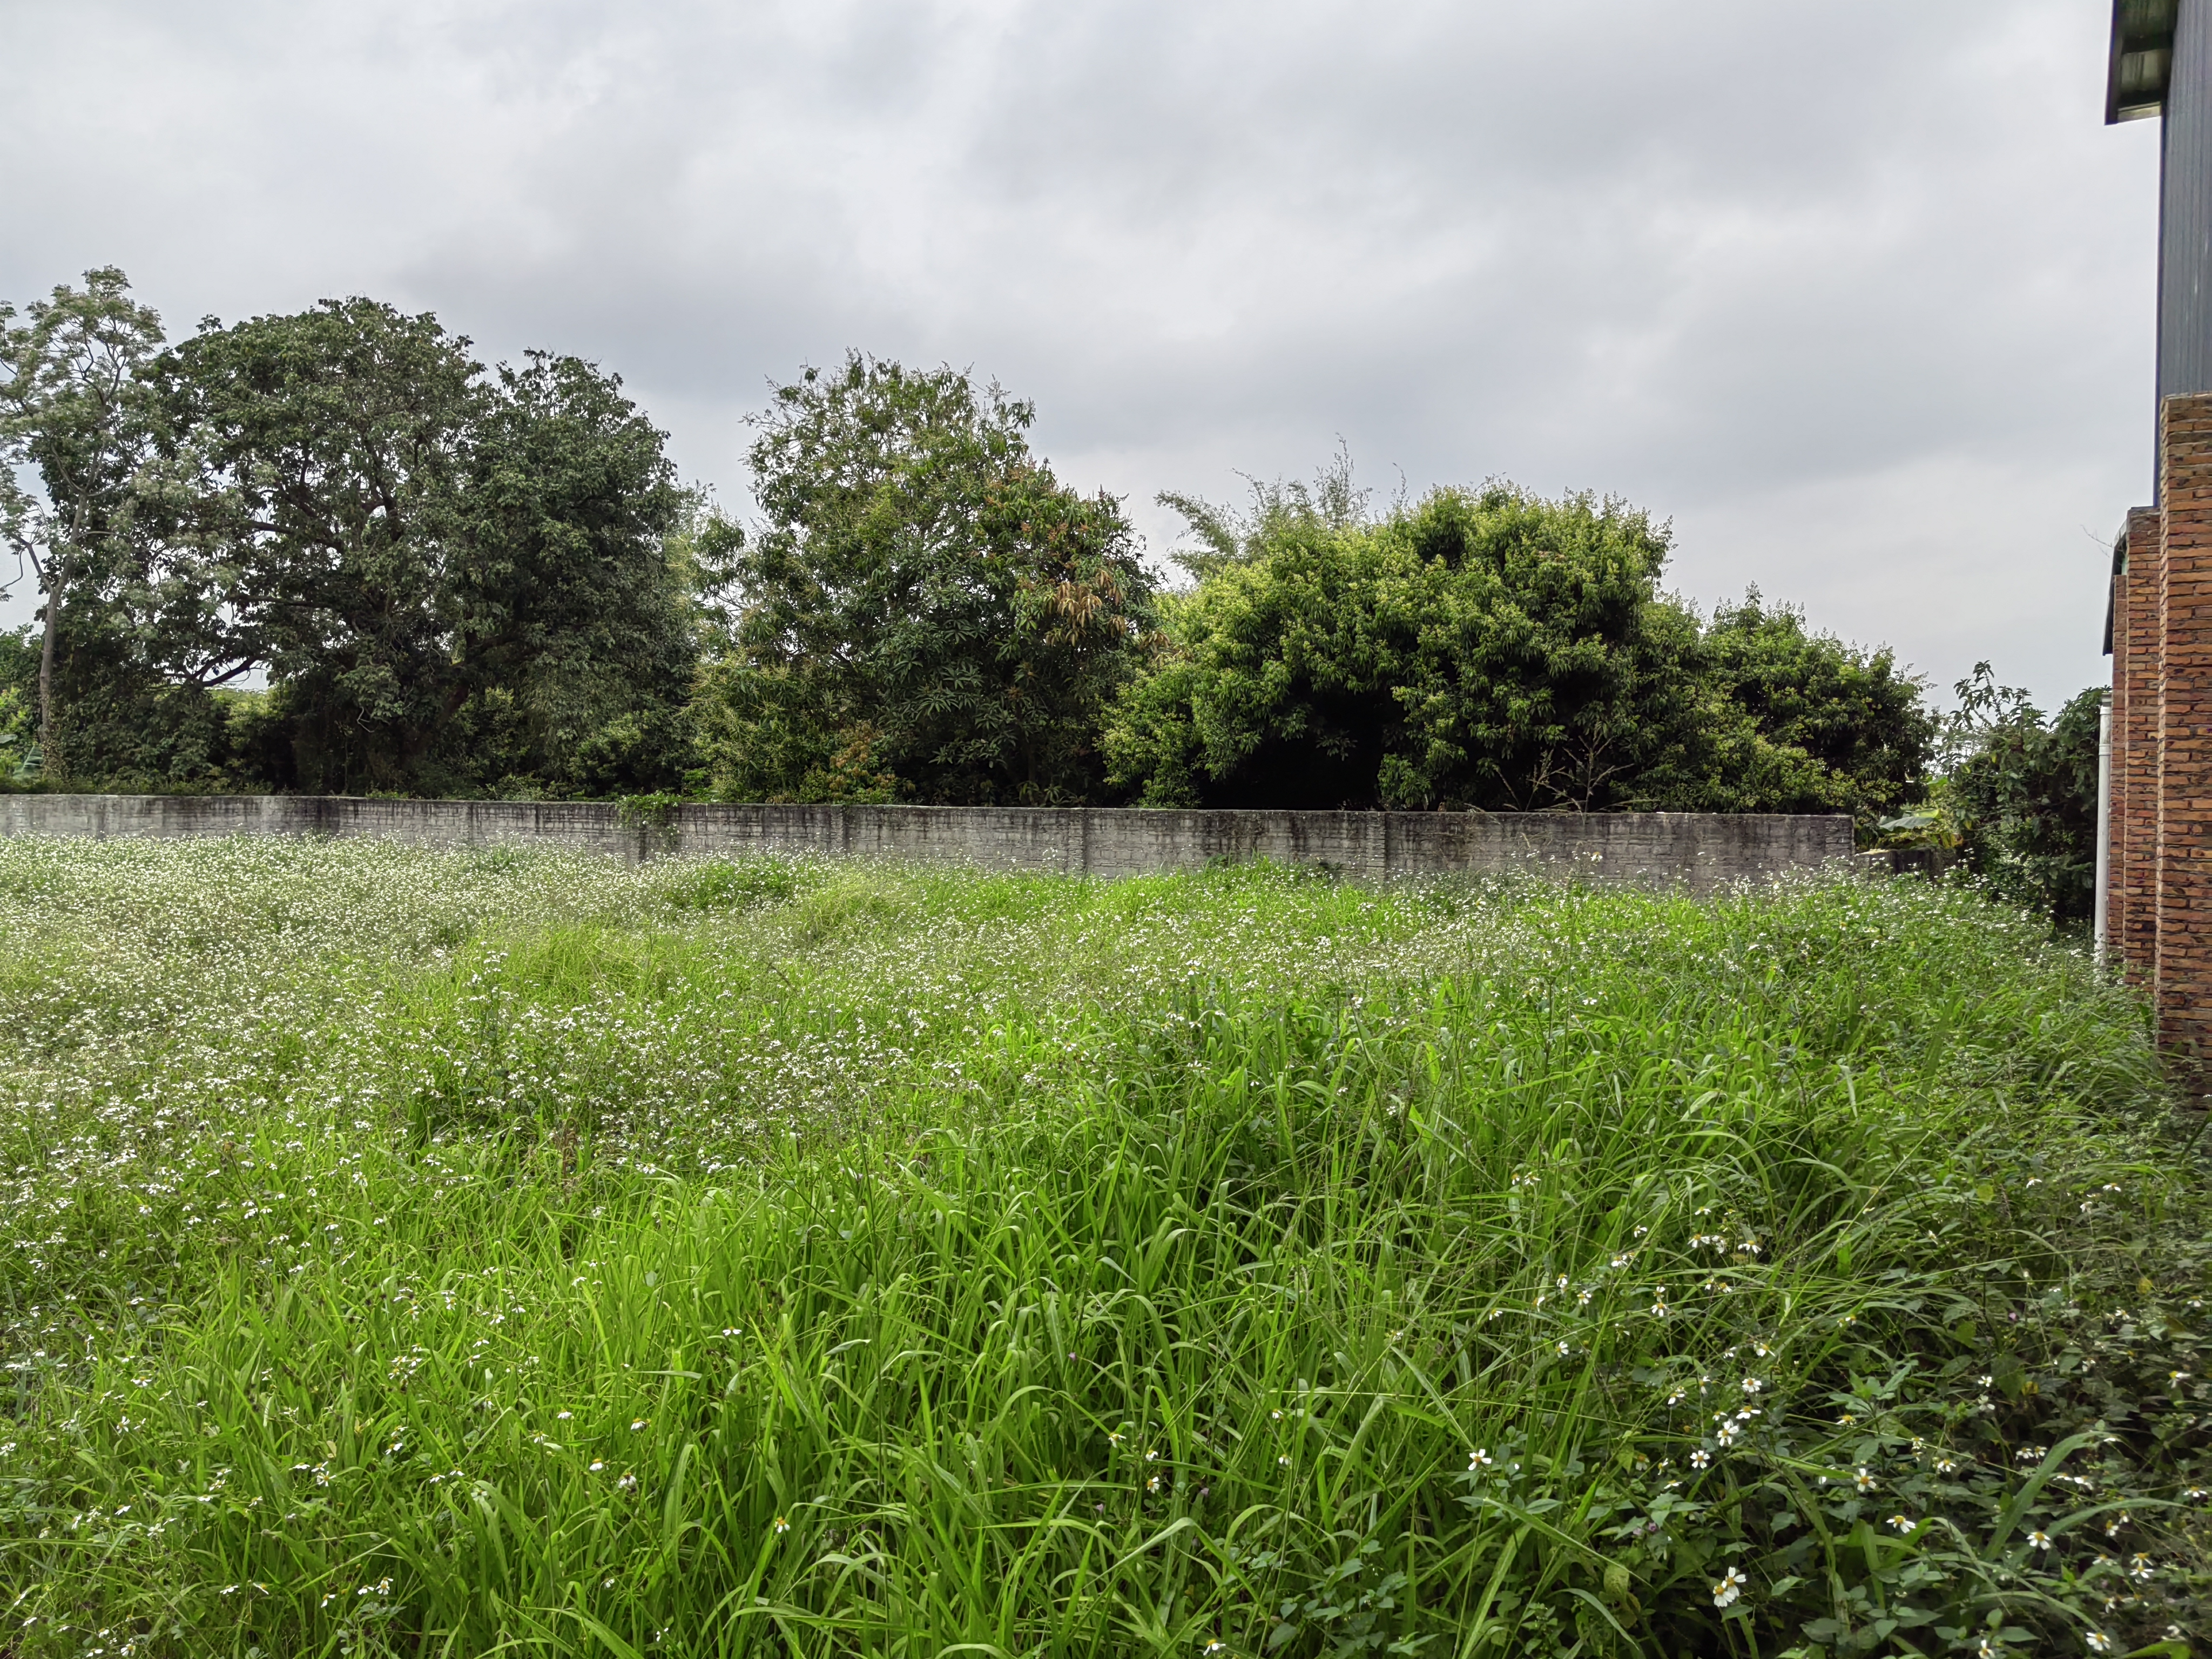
(458, 578)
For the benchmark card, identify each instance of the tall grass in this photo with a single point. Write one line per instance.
(458, 1253)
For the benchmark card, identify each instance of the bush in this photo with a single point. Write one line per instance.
(1494, 650)
(1481, 649)
(2022, 795)
(19, 672)
(1803, 722)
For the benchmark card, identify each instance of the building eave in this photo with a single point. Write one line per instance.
(2141, 58)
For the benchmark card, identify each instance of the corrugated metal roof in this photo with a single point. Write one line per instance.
(2142, 58)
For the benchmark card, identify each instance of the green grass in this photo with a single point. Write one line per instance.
(459, 1253)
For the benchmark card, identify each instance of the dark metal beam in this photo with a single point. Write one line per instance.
(2142, 59)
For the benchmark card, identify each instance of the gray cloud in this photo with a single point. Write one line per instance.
(1858, 294)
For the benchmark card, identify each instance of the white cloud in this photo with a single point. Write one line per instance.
(1857, 292)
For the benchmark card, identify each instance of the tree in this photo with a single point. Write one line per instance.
(576, 596)
(1492, 649)
(928, 611)
(1799, 721)
(447, 573)
(329, 452)
(1220, 537)
(1479, 648)
(19, 662)
(2022, 792)
(73, 408)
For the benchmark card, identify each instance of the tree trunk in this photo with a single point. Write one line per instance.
(46, 669)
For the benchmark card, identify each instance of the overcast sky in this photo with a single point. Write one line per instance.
(1857, 292)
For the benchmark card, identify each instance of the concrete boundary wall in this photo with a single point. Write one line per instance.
(1698, 851)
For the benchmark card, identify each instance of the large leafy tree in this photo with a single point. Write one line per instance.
(455, 579)
(74, 414)
(1479, 648)
(330, 453)
(445, 572)
(927, 612)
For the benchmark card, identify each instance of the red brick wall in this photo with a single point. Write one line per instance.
(2114, 942)
(2183, 980)
(2132, 914)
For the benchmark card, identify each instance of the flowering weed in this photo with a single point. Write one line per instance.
(415, 1252)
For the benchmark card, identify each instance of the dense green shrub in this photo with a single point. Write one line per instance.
(1802, 722)
(1485, 649)
(19, 682)
(1495, 650)
(2020, 795)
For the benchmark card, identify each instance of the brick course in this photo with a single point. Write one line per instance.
(2131, 908)
(2182, 976)
(2114, 942)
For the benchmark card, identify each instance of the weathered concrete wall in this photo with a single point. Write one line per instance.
(1696, 850)
(585, 826)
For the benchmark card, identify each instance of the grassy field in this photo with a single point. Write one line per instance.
(452, 1255)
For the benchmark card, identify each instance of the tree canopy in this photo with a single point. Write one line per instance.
(1490, 649)
(74, 410)
(2018, 797)
(404, 539)
(926, 613)
(452, 577)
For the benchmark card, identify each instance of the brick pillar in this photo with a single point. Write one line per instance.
(2131, 913)
(2183, 984)
(2114, 943)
